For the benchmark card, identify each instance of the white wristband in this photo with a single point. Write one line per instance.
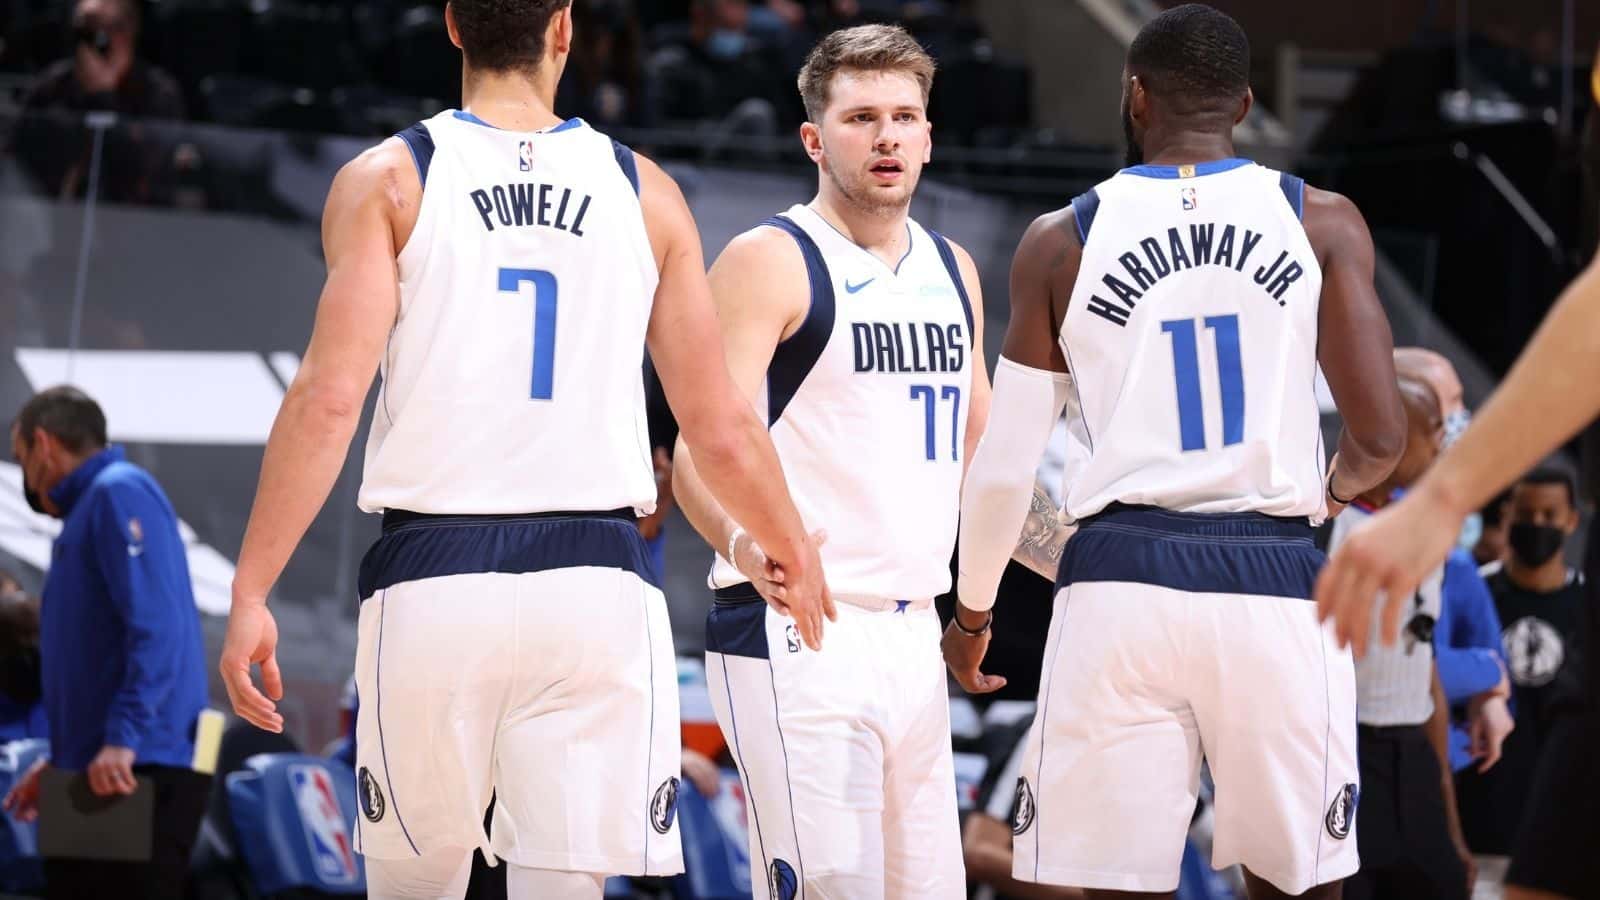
(733, 542)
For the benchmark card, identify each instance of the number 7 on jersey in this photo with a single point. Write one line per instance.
(545, 294)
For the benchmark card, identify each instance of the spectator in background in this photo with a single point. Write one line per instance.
(715, 69)
(1540, 601)
(103, 74)
(604, 80)
(1406, 827)
(21, 712)
(1466, 639)
(122, 660)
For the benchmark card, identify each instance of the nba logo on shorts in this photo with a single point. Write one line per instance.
(525, 156)
(1188, 198)
(327, 835)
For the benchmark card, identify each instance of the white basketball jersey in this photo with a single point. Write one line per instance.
(513, 379)
(867, 404)
(1192, 340)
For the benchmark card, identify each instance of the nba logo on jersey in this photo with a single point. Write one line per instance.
(327, 835)
(1188, 198)
(525, 156)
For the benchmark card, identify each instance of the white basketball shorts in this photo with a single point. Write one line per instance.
(1177, 637)
(844, 753)
(525, 658)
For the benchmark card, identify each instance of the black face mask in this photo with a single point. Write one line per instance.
(1535, 544)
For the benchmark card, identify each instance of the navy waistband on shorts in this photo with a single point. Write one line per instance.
(415, 546)
(1221, 553)
(743, 592)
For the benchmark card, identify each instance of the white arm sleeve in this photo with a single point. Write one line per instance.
(994, 500)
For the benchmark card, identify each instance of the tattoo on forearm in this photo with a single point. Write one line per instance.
(1044, 536)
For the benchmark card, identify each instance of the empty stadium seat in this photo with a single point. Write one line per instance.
(294, 817)
(716, 863)
(19, 842)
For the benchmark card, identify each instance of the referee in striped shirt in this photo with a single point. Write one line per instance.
(1406, 826)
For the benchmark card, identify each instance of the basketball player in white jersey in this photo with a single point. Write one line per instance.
(505, 269)
(1183, 306)
(858, 333)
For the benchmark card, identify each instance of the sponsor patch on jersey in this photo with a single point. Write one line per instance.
(1022, 808)
(1341, 815)
(327, 835)
(781, 881)
(371, 798)
(664, 806)
(525, 156)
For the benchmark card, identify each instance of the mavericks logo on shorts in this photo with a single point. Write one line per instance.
(1341, 815)
(664, 806)
(781, 881)
(1022, 807)
(371, 798)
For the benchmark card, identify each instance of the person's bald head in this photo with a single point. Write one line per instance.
(1424, 431)
(1432, 367)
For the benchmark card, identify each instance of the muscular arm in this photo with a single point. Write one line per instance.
(1044, 536)
(1029, 393)
(730, 459)
(371, 203)
(1354, 345)
(980, 393)
(1553, 390)
(758, 287)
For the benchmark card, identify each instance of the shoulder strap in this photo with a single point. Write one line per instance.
(797, 354)
(626, 162)
(949, 257)
(420, 142)
(1084, 207)
(1294, 190)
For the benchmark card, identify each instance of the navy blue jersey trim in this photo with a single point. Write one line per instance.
(948, 255)
(1206, 168)
(420, 143)
(1084, 207)
(625, 159)
(476, 545)
(1230, 553)
(797, 354)
(738, 628)
(1294, 190)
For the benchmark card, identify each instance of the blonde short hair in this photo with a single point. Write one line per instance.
(864, 48)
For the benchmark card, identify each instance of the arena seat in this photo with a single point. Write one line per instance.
(294, 817)
(716, 863)
(20, 868)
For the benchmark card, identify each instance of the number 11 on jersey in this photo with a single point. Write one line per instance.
(545, 294)
(1230, 379)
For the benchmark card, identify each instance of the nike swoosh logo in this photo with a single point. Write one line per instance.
(853, 288)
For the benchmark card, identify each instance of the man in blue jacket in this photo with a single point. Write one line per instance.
(122, 657)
